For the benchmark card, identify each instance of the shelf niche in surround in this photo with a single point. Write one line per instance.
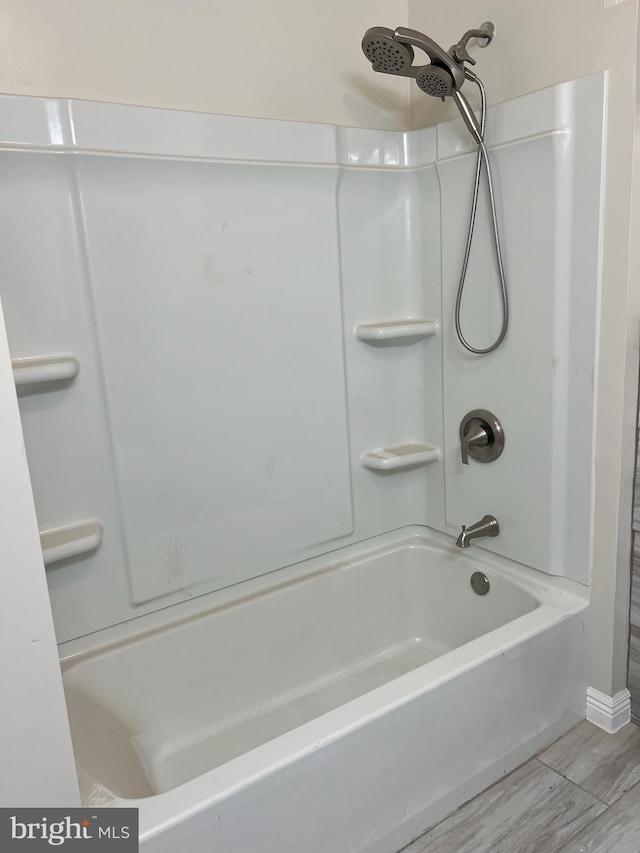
(44, 368)
(399, 456)
(72, 540)
(399, 331)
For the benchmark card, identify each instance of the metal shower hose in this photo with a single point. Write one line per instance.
(482, 155)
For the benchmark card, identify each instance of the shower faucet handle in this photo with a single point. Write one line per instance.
(476, 435)
(481, 436)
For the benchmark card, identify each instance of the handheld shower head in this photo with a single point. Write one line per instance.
(386, 54)
(436, 81)
(391, 52)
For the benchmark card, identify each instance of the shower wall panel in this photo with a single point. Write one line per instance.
(394, 386)
(217, 305)
(208, 274)
(515, 382)
(547, 162)
(47, 310)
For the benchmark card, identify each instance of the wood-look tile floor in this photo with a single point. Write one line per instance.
(581, 795)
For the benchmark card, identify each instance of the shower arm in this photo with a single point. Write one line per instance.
(484, 34)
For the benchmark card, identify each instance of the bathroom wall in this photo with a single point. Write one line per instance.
(539, 44)
(34, 738)
(633, 683)
(289, 59)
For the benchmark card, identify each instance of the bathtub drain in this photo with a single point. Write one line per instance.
(480, 583)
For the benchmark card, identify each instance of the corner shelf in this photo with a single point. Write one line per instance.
(401, 330)
(60, 543)
(399, 456)
(44, 368)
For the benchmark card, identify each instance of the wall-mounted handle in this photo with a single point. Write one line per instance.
(475, 436)
(481, 436)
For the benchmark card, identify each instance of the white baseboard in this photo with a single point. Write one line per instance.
(610, 713)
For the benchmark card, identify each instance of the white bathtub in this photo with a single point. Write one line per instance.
(340, 705)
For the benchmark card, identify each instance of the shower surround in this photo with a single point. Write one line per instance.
(234, 350)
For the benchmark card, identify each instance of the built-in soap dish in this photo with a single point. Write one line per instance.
(403, 330)
(44, 369)
(398, 456)
(73, 540)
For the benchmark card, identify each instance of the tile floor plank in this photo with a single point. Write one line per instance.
(604, 765)
(615, 831)
(533, 810)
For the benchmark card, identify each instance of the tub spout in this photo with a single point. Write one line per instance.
(487, 526)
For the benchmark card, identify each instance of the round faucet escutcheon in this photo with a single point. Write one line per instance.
(481, 436)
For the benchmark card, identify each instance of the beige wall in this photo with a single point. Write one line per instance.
(287, 59)
(537, 45)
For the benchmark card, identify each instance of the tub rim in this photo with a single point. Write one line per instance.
(537, 583)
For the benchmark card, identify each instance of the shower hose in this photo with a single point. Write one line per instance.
(482, 155)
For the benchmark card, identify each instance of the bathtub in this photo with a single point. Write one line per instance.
(343, 704)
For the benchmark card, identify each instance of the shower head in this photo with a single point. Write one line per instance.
(435, 81)
(386, 54)
(439, 83)
(391, 52)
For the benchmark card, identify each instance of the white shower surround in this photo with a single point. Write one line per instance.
(106, 206)
(333, 230)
